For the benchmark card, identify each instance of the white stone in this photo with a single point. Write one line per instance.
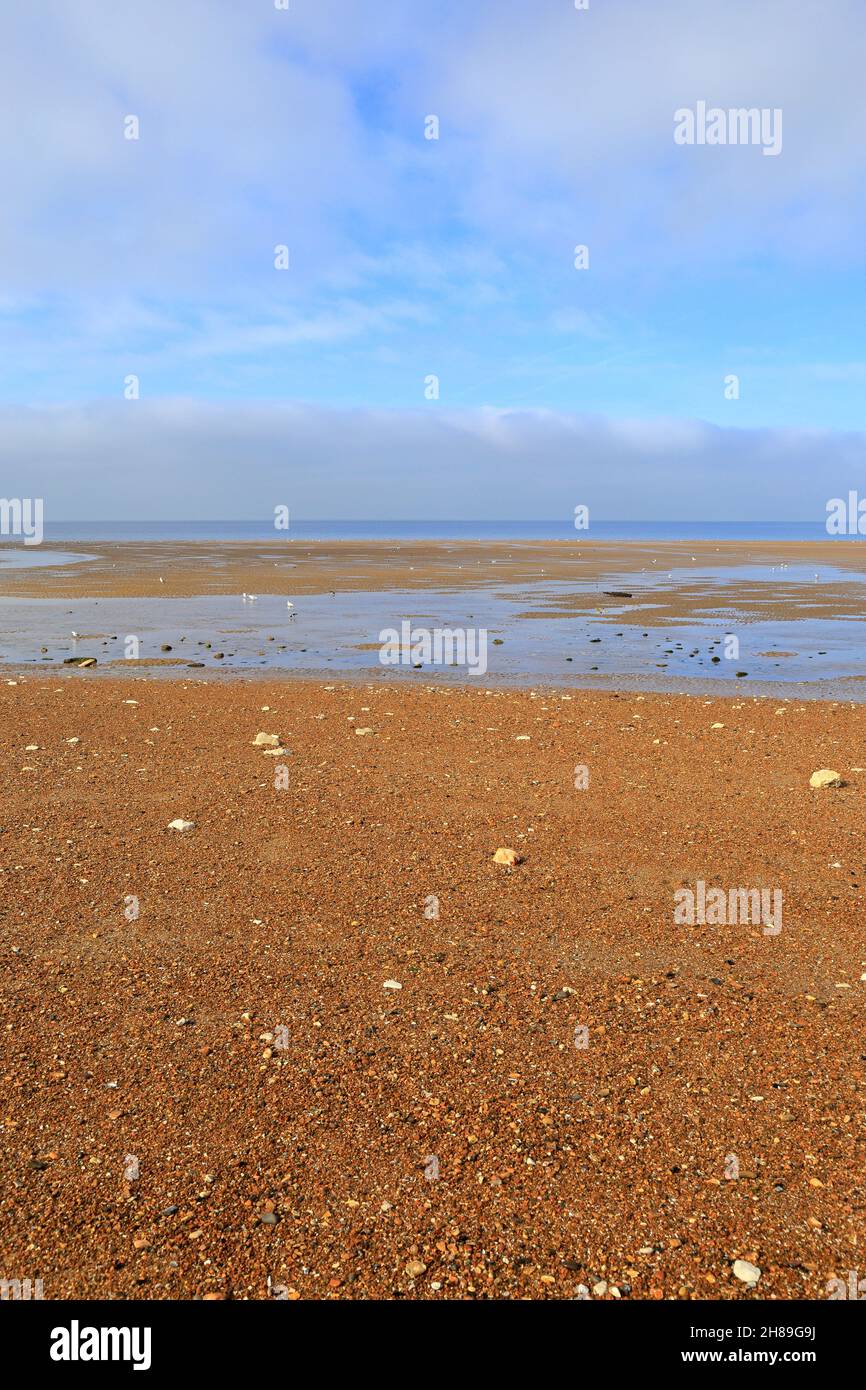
(746, 1272)
(509, 857)
(825, 777)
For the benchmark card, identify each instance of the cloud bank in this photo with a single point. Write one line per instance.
(167, 459)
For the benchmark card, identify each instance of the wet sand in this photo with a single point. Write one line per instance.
(304, 1158)
(130, 569)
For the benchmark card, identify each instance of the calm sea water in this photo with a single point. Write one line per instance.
(560, 529)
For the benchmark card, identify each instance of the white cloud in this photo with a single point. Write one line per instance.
(578, 107)
(241, 146)
(259, 126)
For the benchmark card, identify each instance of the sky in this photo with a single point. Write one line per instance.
(412, 258)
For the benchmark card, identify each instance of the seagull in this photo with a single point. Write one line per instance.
(161, 580)
(75, 634)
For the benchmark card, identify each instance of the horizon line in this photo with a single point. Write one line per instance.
(470, 520)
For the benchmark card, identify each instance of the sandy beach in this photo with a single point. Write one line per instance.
(224, 1093)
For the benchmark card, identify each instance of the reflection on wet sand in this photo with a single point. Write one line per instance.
(550, 631)
(678, 577)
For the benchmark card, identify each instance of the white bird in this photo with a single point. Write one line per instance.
(161, 580)
(75, 634)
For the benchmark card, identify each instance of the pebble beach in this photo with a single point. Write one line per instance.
(318, 1043)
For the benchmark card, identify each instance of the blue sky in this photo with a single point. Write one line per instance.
(411, 257)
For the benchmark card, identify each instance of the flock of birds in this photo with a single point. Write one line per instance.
(251, 598)
(247, 598)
